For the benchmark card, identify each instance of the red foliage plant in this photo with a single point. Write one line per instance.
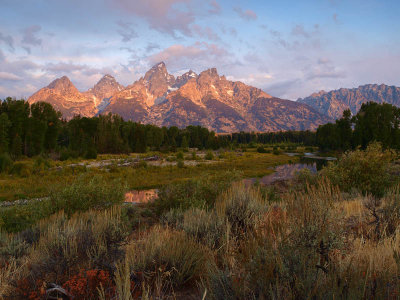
(85, 284)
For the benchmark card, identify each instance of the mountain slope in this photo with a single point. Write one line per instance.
(103, 90)
(333, 103)
(207, 99)
(213, 101)
(65, 97)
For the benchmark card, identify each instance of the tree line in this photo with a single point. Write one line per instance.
(38, 128)
(373, 122)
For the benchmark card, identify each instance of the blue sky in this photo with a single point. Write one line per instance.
(288, 48)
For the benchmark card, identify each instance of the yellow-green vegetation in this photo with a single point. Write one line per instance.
(216, 238)
(39, 181)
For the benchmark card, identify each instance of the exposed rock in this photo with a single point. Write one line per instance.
(103, 91)
(206, 99)
(333, 103)
(65, 97)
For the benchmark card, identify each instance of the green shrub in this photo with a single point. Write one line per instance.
(40, 165)
(85, 193)
(169, 255)
(204, 226)
(243, 207)
(193, 193)
(194, 155)
(309, 149)
(21, 169)
(366, 171)
(19, 217)
(11, 246)
(261, 149)
(209, 155)
(91, 153)
(5, 163)
(172, 218)
(140, 164)
(276, 151)
(90, 239)
(64, 154)
(180, 164)
(179, 156)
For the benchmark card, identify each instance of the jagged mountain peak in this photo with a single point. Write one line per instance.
(103, 90)
(207, 99)
(212, 72)
(59, 81)
(158, 71)
(63, 85)
(106, 80)
(107, 77)
(65, 97)
(185, 77)
(208, 76)
(334, 102)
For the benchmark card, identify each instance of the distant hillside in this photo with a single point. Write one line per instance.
(333, 103)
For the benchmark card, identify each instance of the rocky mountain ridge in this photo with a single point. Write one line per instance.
(333, 103)
(205, 99)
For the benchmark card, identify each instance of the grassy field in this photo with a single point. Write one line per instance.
(39, 183)
(333, 235)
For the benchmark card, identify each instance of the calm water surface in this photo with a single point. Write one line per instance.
(283, 172)
(309, 161)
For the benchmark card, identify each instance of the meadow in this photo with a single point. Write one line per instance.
(329, 235)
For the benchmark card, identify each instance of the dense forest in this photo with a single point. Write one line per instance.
(35, 129)
(373, 122)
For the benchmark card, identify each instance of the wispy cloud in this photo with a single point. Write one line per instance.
(248, 14)
(197, 56)
(29, 35)
(8, 40)
(126, 31)
(164, 16)
(215, 8)
(9, 76)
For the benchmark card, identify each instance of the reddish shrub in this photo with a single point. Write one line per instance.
(85, 284)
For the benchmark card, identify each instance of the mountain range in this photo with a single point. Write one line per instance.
(206, 99)
(333, 103)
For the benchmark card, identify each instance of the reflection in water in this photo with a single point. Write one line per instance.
(141, 196)
(283, 172)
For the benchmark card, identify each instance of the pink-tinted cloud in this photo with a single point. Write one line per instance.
(197, 56)
(248, 14)
(215, 8)
(168, 16)
(9, 76)
(205, 32)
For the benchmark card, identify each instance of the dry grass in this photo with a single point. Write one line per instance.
(8, 274)
(315, 243)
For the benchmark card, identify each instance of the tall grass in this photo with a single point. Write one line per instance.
(82, 194)
(221, 240)
(86, 240)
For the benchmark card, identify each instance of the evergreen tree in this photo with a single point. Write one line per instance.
(4, 132)
(184, 143)
(16, 147)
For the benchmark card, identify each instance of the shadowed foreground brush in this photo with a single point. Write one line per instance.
(165, 260)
